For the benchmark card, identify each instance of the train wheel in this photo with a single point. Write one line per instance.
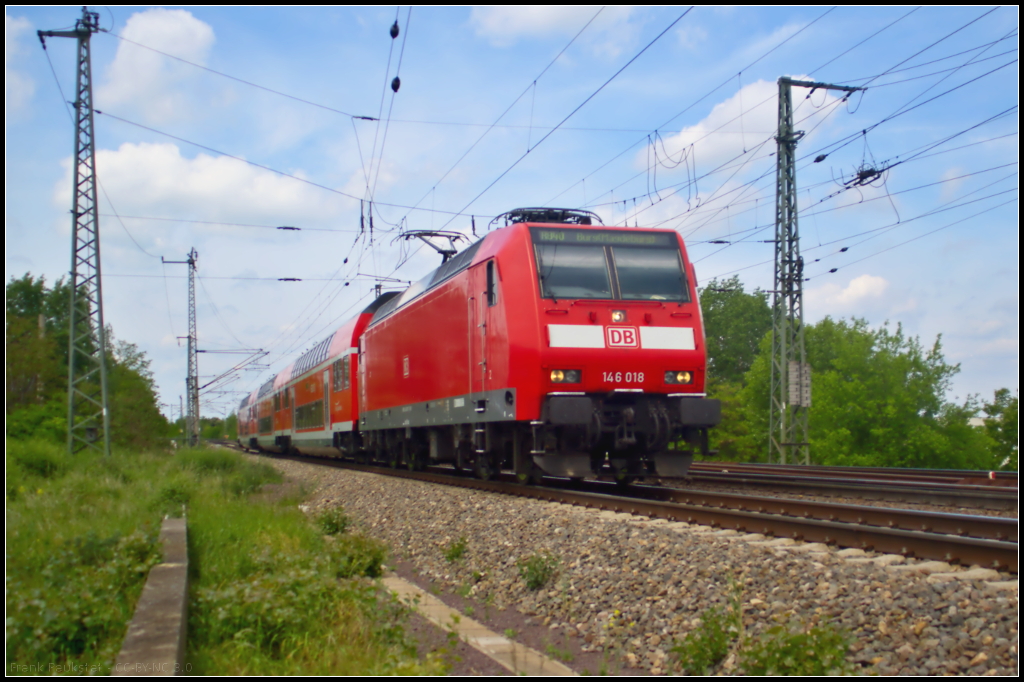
(527, 472)
(484, 467)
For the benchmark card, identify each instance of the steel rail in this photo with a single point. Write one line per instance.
(937, 494)
(986, 478)
(922, 544)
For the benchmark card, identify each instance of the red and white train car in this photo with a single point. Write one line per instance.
(311, 406)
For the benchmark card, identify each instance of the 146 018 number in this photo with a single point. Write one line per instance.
(624, 377)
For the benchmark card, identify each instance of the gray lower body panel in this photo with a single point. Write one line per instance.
(498, 405)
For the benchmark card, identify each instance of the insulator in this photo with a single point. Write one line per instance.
(395, 84)
(394, 30)
(820, 157)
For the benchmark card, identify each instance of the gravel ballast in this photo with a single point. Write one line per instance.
(627, 588)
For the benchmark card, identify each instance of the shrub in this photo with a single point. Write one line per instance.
(39, 458)
(79, 603)
(203, 459)
(358, 555)
(333, 521)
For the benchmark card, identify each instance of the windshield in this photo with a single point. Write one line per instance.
(649, 274)
(605, 264)
(573, 272)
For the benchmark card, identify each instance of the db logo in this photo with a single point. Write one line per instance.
(622, 337)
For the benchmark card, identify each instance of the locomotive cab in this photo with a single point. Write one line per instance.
(622, 354)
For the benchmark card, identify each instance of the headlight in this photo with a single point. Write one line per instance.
(565, 376)
(678, 377)
(618, 316)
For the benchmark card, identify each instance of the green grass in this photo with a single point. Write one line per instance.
(269, 593)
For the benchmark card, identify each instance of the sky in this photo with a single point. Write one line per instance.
(217, 126)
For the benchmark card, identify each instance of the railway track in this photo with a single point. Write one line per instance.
(968, 539)
(926, 488)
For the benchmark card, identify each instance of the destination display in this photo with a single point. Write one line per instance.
(545, 235)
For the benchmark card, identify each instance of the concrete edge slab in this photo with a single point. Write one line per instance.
(155, 642)
(518, 659)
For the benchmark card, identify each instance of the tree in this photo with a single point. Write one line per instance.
(135, 418)
(33, 365)
(231, 427)
(877, 400)
(734, 324)
(28, 298)
(37, 346)
(1001, 426)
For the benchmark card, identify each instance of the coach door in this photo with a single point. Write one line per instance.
(483, 281)
(327, 400)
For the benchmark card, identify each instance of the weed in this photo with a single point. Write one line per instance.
(469, 611)
(333, 521)
(511, 633)
(464, 590)
(617, 633)
(810, 652)
(563, 655)
(456, 549)
(709, 644)
(537, 569)
(782, 650)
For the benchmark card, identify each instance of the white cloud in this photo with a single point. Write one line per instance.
(150, 81)
(740, 123)
(18, 88)
(949, 189)
(156, 180)
(691, 37)
(860, 292)
(505, 26)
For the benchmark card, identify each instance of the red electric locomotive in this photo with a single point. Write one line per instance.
(552, 346)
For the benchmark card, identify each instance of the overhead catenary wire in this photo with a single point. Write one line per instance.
(696, 102)
(507, 110)
(870, 80)
(571, 114)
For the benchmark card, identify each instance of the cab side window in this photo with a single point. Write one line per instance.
(492, 284)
